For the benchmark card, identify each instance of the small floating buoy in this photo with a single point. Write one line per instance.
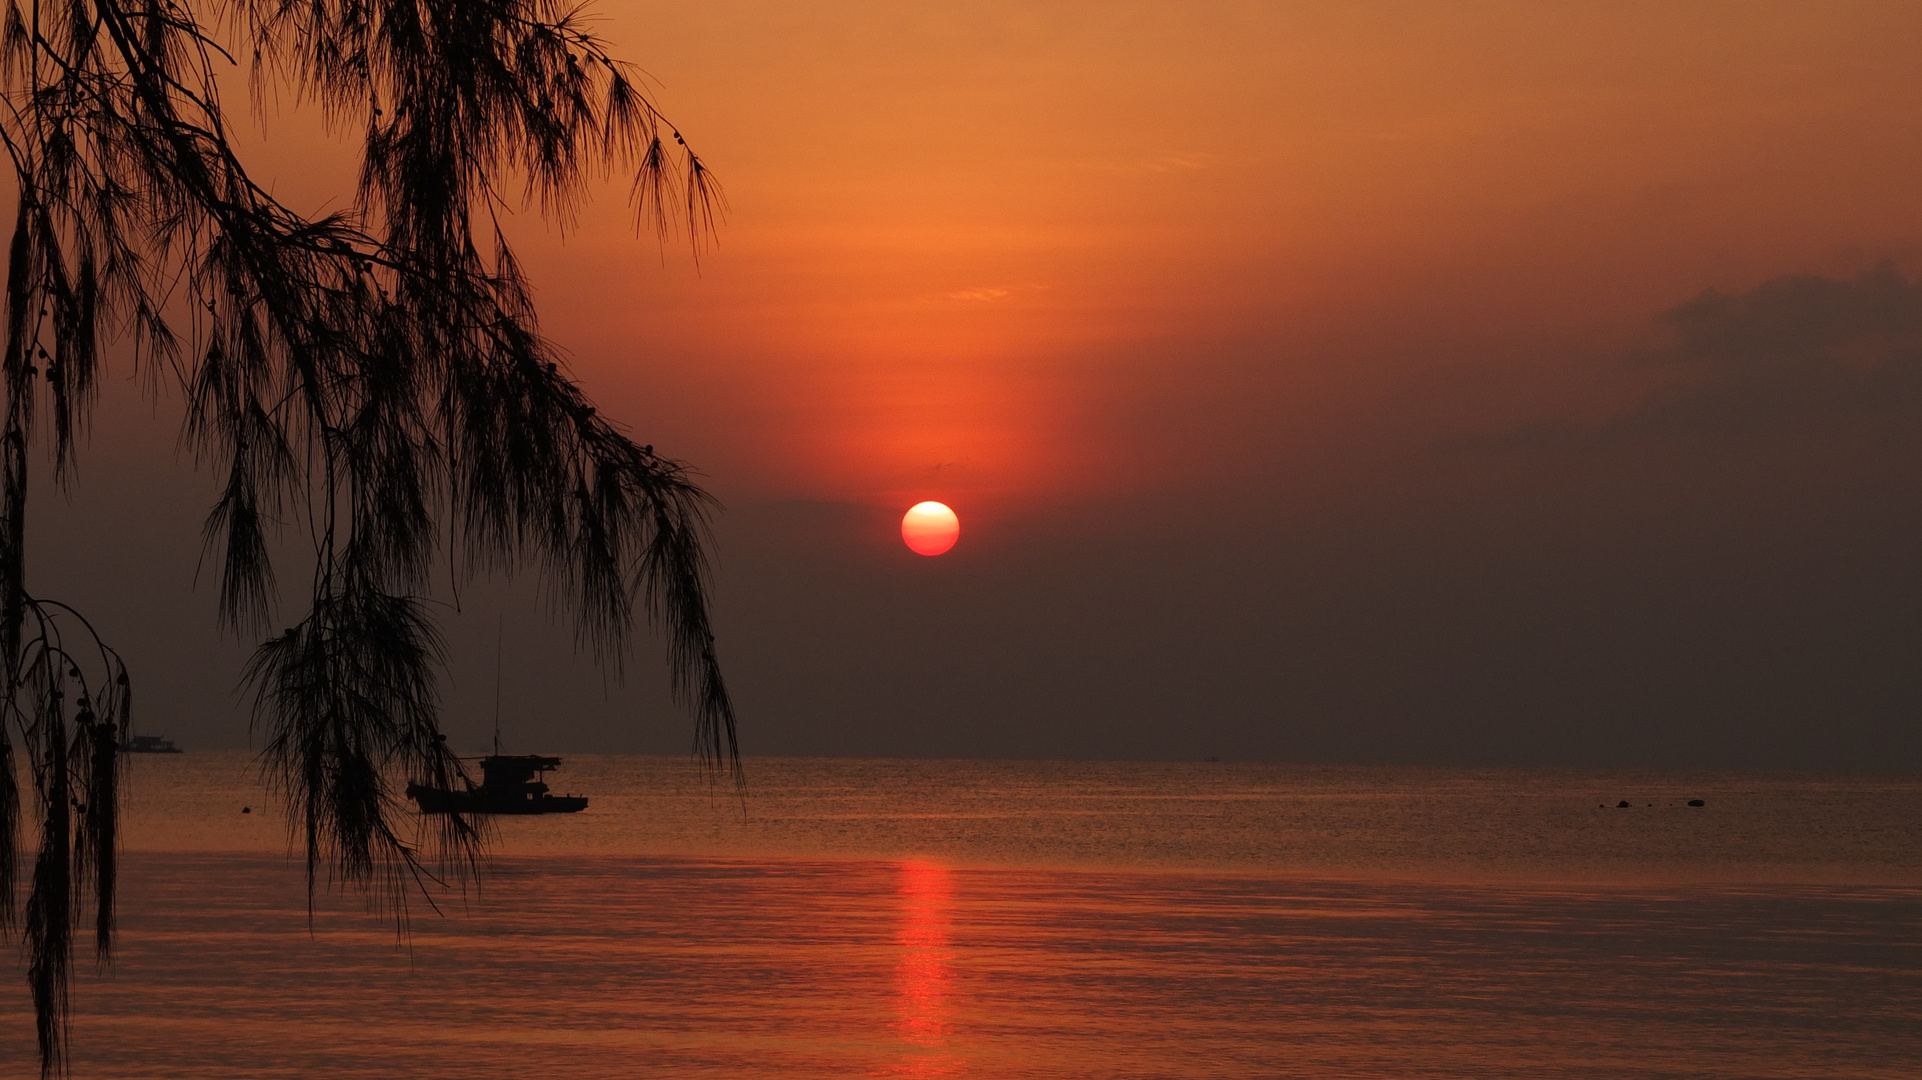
(246, 809)
(1623, 805)
(1697, 802)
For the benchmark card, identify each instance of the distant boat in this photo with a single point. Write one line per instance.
(510, 784)
(150, 744)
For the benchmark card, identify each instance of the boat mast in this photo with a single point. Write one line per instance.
(497, 683)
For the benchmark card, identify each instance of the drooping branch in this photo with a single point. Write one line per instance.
(370, 372)
(70, 708)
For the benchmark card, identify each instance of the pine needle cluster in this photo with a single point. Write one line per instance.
(376, 377)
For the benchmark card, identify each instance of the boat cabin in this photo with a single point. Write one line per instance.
(516, 775)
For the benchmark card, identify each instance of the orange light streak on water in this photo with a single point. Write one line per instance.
(922, 977)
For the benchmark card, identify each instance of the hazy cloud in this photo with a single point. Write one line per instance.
(1795, 355)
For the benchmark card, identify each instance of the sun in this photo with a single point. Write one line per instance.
(930, 528)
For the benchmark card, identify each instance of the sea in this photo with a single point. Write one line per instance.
(1017, 919)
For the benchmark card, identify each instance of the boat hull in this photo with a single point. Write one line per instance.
(479, 801)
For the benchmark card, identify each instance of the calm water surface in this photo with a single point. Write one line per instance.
(1004, 919)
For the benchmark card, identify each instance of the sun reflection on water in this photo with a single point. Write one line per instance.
(922, 975)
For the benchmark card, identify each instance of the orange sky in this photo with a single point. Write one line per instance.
(986, 251)
(1299, 372)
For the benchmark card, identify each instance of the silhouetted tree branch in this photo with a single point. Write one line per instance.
(377, 373)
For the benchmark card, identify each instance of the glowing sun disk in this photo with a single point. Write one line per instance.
(930, 528)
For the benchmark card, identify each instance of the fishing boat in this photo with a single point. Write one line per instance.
(510, 784)
(149, 744)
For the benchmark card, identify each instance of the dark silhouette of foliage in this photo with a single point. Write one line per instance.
(377, 374)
